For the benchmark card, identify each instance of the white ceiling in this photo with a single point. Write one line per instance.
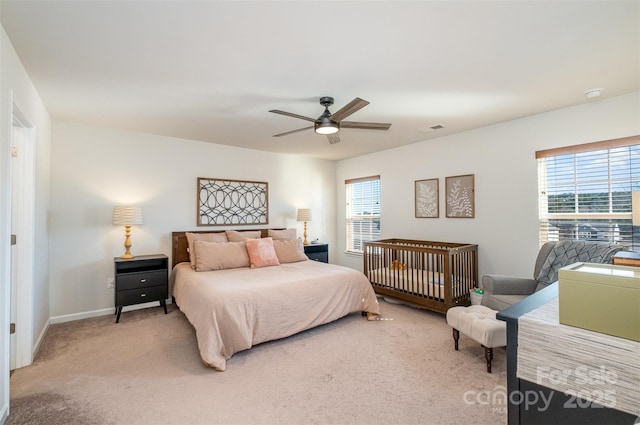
(211, 70)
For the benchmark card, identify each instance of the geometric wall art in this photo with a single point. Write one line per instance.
(232, 202)
(426, 198)
(459, 191)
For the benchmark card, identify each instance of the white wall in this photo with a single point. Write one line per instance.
(16, 87)
(502, 158)
(96, 168)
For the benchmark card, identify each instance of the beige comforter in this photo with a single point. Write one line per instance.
(232, 310)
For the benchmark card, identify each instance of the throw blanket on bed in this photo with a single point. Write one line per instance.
(234, 309)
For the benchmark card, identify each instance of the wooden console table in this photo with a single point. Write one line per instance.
(533, 401)
(627, 258)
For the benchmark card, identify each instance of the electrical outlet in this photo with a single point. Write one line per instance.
(110, 282)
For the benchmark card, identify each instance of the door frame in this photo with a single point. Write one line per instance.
(25, 231)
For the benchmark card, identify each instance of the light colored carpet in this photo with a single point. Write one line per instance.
(147, 370)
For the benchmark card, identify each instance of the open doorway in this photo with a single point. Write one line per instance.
(22, 226)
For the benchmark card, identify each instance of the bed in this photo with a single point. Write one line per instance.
(233, 309)
(433, 275)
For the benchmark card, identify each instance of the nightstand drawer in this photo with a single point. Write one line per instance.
(141, 280)
(323, 257)
(317, 252)
(141, 295)
(316, 247)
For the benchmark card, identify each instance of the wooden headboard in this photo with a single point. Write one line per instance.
(179, 245)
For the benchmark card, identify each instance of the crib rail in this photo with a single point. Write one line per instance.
(435, 275)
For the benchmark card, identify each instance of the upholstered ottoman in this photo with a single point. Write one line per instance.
(480, 324)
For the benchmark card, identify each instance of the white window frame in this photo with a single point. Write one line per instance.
(367, 214)
(610, 226)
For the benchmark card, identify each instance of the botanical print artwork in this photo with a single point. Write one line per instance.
(426, 194)
(460, 196)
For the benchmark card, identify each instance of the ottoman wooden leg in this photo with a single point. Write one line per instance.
(488, 354)
(456, 337)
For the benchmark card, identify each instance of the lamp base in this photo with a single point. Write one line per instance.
(127, 243)
(305, 242)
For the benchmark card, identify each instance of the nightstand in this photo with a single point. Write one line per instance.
(317, 252)
(141, 279)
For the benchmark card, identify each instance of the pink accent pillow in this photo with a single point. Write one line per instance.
(261, 253)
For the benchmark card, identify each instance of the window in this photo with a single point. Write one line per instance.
(585, 191)
(363, 212)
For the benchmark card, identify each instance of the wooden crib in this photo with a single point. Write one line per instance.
(434, 275)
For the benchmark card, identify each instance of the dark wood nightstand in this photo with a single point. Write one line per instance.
(141, 279)
(317, 252)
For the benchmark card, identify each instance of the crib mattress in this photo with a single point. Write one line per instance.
(414, 281)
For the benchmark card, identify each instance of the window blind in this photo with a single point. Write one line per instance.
(362, 212)
(585, 192)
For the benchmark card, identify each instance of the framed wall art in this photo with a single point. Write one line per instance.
(427, 198)
(460, 196)
(232, 202)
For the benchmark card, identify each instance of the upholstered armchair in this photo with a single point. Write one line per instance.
(502, 291)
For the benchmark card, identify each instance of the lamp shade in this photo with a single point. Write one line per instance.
(304, 214)
(635, 208)
(127, 216)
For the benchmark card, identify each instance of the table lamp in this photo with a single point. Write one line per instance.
(304, 214)
(127, 216)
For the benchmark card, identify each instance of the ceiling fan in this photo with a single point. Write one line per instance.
(329, 124)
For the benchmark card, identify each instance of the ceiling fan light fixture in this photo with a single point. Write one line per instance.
(329, 124)
(326, 126)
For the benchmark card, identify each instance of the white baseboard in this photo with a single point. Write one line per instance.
(36, 346)
(79, 316)
(101, 312)
(4, 414)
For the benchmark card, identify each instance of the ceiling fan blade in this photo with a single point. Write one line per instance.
(354, 106)
(292, 131)
(365, 125)
(333, 138)
(290, 114)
